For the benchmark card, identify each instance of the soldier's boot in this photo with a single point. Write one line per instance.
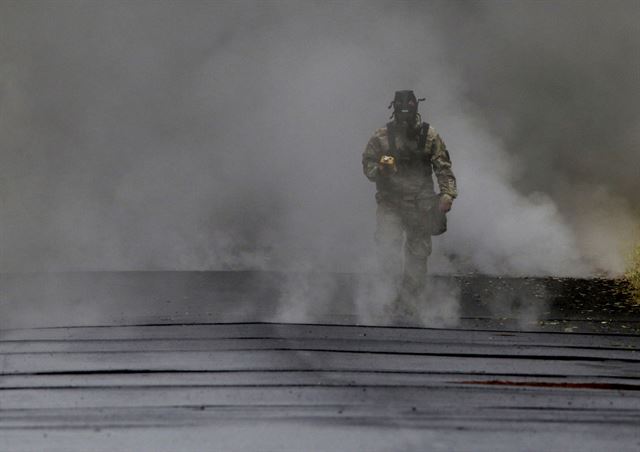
(402, 311)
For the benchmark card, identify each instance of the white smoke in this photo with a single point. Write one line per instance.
(168, 135)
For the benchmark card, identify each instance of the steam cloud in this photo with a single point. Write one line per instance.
(192, 135)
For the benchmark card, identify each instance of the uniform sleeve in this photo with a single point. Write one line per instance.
(441, 163)
(371, 157)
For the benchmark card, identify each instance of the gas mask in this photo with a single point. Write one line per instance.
(405, 107)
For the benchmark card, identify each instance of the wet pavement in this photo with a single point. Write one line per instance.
(164, 361)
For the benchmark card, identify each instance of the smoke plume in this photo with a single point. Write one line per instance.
(193, 135)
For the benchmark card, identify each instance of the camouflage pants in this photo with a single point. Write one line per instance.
(401, 222)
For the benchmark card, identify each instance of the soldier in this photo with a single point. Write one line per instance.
(400, 158)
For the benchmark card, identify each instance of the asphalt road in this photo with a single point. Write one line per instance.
(168, 361)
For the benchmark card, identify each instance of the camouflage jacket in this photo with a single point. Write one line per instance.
(415, 167)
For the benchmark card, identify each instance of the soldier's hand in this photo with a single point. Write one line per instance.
(445, 204)
(387, 165)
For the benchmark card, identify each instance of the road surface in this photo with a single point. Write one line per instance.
(166, 361)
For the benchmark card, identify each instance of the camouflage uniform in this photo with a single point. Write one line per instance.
(406, 198)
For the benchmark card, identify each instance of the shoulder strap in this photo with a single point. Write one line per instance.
(391, 136)
(422, 137)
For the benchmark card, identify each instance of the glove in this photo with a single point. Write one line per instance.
(445, 204)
